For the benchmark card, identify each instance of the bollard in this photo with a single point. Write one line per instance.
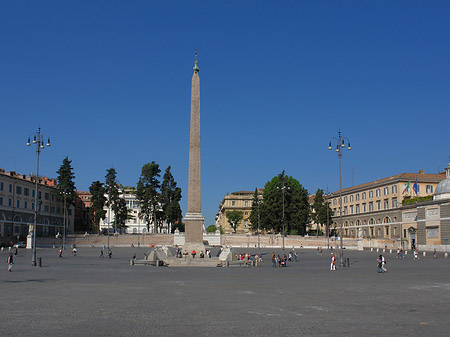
(406, 252)
(390, 251)
(378, 250)
(371, 249)
(446, 255)
(348, 262)
(384, 250)
(39, 261)
(424, 253)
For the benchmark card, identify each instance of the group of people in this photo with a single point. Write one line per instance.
(184, 254)
(281, 261)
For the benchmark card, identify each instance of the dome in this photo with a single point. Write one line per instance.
(443, 188)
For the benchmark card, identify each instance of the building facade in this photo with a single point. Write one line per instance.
(237, 201)
(17, 207)
(379, 211)
(134, 224)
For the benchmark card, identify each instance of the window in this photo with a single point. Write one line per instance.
(52, 209)
(404, 233)
(345, 199)
(233, 203)
(429, 189)
(53, 197)
(246, 213)
(351, 198)
(47, 196)
(334, 202)
(351, 209)
(18, 203)
(378, 192)
(357, 197)
(370, 194)
(386, 191)
(378, 204)
(371, 206)
(386, 230)
(363, 195)
(25, 204)
(433, 232)
(26, 191)
(18, 189)
(58, 210)
(345, 210)
(357, 209)
(46, 208)
(1, 186)
(1, 201)
(246, 203)
(39, 195)
(364, 207)
(10, 188)
(32, 205)
(32, 193)
(394, 202)
(9, 202)
(386, 203)
(418, 188)
(394, 189)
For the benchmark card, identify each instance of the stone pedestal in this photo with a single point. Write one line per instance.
(194, 232)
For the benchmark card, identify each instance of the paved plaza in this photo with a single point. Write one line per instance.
(89, 296)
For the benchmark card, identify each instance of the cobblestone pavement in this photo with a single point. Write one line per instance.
(89, 296)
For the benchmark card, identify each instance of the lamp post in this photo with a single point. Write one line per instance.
(38, 139)
(328, 221)
(259, 245)
(340, 145)
(63, 244)
(283, 188)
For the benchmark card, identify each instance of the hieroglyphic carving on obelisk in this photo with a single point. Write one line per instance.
(194, 218)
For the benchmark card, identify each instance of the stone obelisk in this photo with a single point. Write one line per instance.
(194, 219)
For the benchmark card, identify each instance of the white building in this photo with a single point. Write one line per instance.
(135, 224)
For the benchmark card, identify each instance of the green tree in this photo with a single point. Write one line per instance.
(66, 186)
(320, 213)
(255, 214)
(123, 214)
(112, 190)
(96, 211)
(211, 229)
(170, 199)
(296, 206)
(234, 217)
(148, 195)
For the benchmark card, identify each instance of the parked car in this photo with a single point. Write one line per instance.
(21, 244)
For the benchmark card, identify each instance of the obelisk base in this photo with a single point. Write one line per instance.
(194, 232)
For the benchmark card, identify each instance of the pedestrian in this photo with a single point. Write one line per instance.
(60, 253)
(274, 260)
(110, 253)
(101, 254)
(434, 253)
(16, 251)
(295, 256)
(290, 257)
(379, 264)
(134, 257)
(279, 260)
(383, 264)
(193, 253)
(416, 254)
(10, 261)
(333, 262)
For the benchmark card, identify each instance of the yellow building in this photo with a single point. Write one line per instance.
(236, 201)
(375, 210)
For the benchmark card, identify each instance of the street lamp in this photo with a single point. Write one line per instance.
(283, 188)
(38, 139)
(259, 244)
(65, 221)
(341, 143)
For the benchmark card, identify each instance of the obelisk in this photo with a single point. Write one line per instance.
(194, 219)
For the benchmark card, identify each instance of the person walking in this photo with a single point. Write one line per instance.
(333, 262)
(380, 264)
(383, 264)
(60, 253)
(101, 254)
(110, 253)
(10, 261)
(274, 260)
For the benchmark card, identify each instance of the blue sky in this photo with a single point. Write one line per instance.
(109, 81)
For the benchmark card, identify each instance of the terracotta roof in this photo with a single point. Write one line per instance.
(421, 177)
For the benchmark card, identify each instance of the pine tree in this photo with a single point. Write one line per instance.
(170, 199)
(112, 190)
(148, 195)
(98, 199)
(66, 186)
